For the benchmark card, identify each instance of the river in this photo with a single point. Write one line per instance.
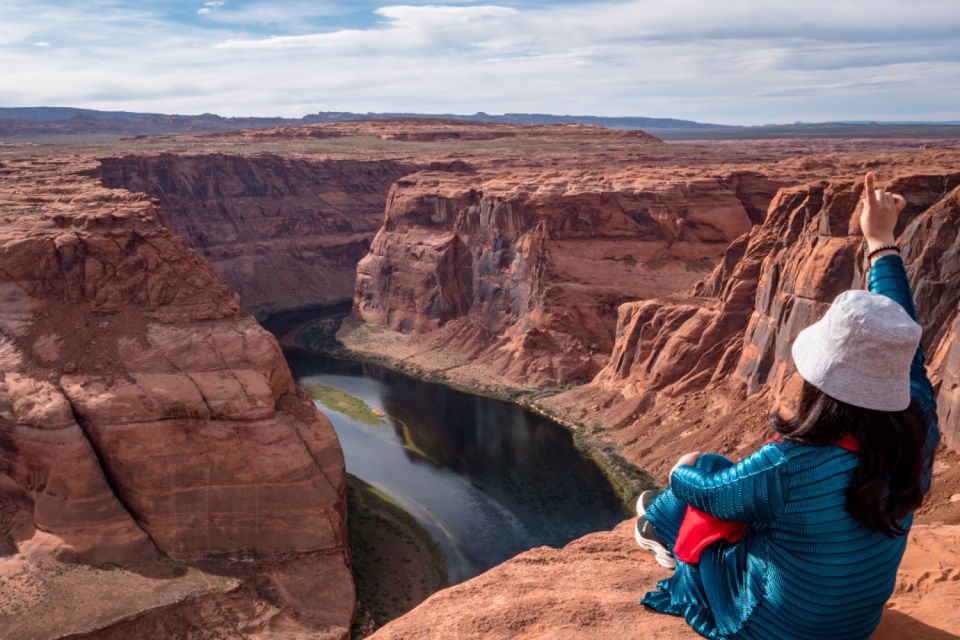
(486, 478)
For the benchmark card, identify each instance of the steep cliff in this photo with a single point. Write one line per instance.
(524, 283)
(281, 231)
(700, 369)
(148, 423)
(932, 243)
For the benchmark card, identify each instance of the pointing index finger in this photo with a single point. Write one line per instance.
(868, 189)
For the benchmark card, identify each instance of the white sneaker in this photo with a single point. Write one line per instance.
(644, 500)
(646, 537)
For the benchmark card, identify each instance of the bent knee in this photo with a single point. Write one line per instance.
(713, 462)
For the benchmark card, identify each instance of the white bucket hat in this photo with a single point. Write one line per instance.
(860, 351)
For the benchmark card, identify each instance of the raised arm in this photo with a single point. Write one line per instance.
(888, 277)
(754, 490)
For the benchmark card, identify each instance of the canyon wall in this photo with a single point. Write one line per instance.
(146, 420)
(282, 231)
(723, 347)
(523, 284)
(932, 243)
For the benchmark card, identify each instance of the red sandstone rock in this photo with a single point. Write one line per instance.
(282, 232)
(592, 587)
(143, 416)
(732, 336)
(932, 252)
(529, 283)
(51, 474)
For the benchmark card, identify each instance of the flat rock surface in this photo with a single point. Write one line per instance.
(591, 589)
(43, 602)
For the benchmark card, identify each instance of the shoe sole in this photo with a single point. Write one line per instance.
(662, 556)
(641, 511)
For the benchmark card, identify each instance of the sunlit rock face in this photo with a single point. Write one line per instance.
(932, 250)
(701, 370)
(144, 417)
(529, 281)
(592, 589)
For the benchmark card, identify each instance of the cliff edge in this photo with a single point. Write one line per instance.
(592, 589)
(160, 472)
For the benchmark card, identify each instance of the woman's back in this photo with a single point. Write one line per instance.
(824, 573)
(827, 576)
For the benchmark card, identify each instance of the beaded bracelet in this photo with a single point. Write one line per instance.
(883, 248)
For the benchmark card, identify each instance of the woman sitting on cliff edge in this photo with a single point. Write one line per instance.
(803, 538)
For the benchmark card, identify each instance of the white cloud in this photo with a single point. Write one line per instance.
(208, 7)
(407, 27)
(761, 61)
(288, 14)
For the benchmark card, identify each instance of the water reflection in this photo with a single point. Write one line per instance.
(486, 478)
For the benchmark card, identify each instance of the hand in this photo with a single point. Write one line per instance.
(880, 212)
(687, 458)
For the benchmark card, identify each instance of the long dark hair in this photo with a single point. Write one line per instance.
(886, 486)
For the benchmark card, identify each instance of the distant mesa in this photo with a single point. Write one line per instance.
(38, 122)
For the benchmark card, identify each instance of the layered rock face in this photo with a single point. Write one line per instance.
(144, 417)
(807, 270)
(682, 343)
(698, 364)
(933, 260)
(283, 232)
(526, 284)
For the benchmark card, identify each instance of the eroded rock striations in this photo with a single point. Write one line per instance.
(525, 283)
(282, 231)
(730, 335)
(147, 421)
(932, 242)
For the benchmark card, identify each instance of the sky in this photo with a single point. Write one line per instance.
(731, 62)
